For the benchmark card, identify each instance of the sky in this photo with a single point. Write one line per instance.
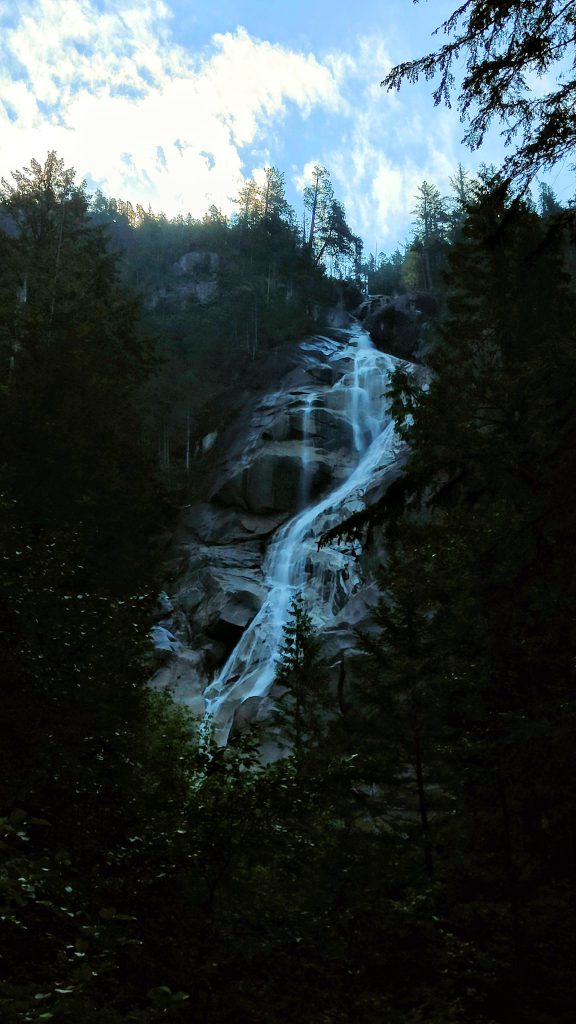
(174, 104)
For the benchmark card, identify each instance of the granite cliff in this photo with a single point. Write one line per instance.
(310, 448)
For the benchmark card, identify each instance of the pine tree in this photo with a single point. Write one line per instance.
(490, 477)
(398, 697)
(505, 47)
(329, 234)
(430, 236)
(73, 436)
(301, 673)
(79, 500)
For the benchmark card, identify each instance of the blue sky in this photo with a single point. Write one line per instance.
(174, 103)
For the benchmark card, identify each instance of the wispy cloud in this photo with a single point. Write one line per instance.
(388, 148)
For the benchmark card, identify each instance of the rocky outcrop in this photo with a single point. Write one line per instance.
(399, 324)
(192, 277)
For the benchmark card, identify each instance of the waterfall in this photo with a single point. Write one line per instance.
(327, 578)
(307, 427)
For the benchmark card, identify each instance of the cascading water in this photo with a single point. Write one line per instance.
(307, 427)
(329, 576)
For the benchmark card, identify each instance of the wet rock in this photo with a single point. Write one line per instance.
(212, 524)
(272, 482)
(331, 429)
(325, 374)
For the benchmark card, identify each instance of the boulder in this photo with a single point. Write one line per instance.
(398, 324)
(233, 590)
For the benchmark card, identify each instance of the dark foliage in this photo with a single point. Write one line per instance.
(504, 45)
(412, 860)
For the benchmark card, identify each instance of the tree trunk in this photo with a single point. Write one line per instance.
(57, 264)
(313, 213)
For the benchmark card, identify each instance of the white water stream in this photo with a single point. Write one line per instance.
(328, 577)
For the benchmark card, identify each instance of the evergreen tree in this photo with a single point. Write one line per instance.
(430, 236)
(72, 429)
(398, 697)
(274, 196)
(464, 194)
(329, 234)
(303, 704)
(79, 501)
(504, 44)
(489, 477)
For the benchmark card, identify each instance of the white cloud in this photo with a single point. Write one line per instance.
(110, 89)
(384, 150)
(145, 119)
(304, 177)
(391, 144)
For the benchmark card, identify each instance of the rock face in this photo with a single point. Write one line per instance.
(301, 456)
(193, 276)
(399, 324)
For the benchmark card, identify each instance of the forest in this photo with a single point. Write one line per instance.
(412, 861)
